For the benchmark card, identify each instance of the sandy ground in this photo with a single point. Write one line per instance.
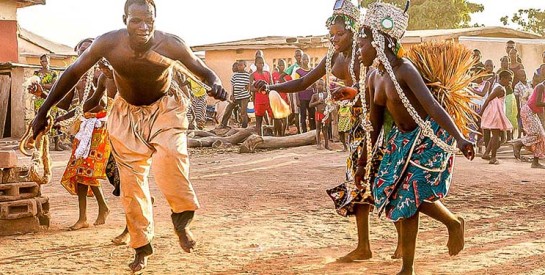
(268, 213)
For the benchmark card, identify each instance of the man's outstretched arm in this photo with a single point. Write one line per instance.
(66, 82)
(181, 52)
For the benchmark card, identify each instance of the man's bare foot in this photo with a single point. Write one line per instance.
(493, 161)
(538, 166)
(78, 225)
(101, 219)
(406, 271)
(122, 239)
(456, 237)
(319, 146)
(398, 254)
(486, 157)
(356, 255)
(187, 243)
(140, 259)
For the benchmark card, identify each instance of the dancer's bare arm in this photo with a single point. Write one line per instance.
(414, 81)
(69, 79)
(296, 85)
(181, 52)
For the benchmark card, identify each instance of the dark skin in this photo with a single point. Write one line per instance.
(141, 78)
(383, 95)
(318, 101)
(341, 38)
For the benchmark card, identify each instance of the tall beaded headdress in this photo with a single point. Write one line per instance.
(389, 23)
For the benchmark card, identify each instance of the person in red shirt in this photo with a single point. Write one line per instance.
(280, 125)
(261, 98)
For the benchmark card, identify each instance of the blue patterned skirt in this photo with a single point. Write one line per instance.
(413, 170)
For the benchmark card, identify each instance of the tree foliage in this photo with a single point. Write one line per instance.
(437, 14)
(532, 20)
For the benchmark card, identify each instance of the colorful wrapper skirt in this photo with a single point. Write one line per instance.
(88, 170)
(535, 135)
(413, 170)
(346, 195)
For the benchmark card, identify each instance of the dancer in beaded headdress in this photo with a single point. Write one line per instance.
(416, 168)
(341, 62)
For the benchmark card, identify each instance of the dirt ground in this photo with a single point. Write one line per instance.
(268, 213)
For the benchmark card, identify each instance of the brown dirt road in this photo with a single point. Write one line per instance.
(268, 213)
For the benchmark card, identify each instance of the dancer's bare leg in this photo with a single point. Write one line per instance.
(363, 250)
(82, 202)
(123, 238)
(398, 254)
(455, 225)
(103, 209)
(409, 232)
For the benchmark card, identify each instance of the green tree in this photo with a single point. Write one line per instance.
(437, 14)
(532, 20)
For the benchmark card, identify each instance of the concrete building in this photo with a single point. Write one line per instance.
(490, 40)
(19, 58)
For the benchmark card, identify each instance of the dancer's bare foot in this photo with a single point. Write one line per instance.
(406, 271)
(486, 157)
(358, 254)
(398, 254)
(140, 260)
(102, 215)
(538, 166)
(456, 237)
(517, 146)
(122, 239)
(319, 146)
(187, 243)
(78, 225)
(328, 148)
(494, 161)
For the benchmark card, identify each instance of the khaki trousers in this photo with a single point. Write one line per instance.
(140, 136)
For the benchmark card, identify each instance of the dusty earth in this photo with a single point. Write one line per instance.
(268, 213)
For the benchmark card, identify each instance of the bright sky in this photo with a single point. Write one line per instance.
(209, 21)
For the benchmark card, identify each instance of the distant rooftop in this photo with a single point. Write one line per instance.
(321, 40)
(44, 45)
(26, 3)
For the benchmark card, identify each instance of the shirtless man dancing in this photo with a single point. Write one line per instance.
(147, 122)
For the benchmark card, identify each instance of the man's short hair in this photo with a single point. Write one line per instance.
(506, 73)
(46, 56)
(90, 40)
(128, 3)
(510, 42)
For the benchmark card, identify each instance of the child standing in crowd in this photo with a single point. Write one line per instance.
(261, 99)
(493, 116)
(318, 103)
(344, 123)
